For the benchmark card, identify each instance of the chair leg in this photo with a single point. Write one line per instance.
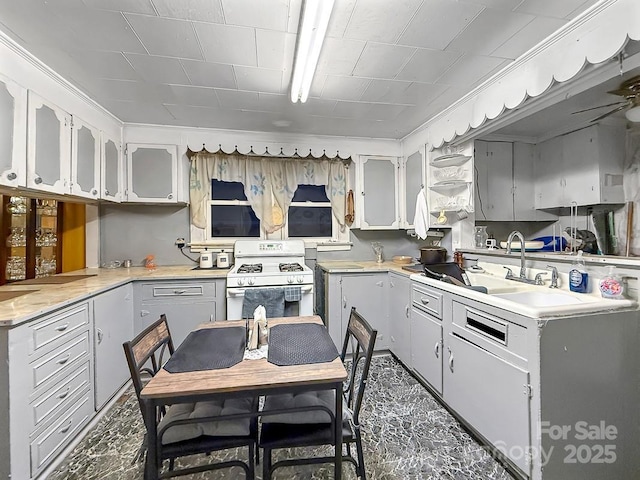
(172, 462)
(257, 448)
(361, 472)
(252, 466)
(266, 464)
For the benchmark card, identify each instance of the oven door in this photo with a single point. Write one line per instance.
(235, 297)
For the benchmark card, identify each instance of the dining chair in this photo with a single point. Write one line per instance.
(302, 419)
(189, 428)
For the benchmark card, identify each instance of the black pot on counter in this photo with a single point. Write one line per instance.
(431, 255)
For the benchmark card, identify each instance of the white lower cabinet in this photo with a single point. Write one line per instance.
(426, 348)
(400, 317)
(50, 385)
(368, 293)
(113, 325)
(186, 304)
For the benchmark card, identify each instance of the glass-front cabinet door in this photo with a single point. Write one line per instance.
(31, 231)
(152, 173)
(49, 141)
(85, 159)
(413, 181)
(377, 201)
(111, 168)
(13, 113)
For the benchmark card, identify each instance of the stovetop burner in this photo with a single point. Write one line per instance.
(291, 267)
(250, 268)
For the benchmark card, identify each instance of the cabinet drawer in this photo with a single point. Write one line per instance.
(65, 323)
(61, 359)
(427, 299)
(177, 290)
(51, 404)
(49, 443)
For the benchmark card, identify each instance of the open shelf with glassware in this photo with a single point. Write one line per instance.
(31, 229)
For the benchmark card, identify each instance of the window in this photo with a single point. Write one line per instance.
(231, 216)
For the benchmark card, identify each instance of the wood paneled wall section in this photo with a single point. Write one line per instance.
(73, 237)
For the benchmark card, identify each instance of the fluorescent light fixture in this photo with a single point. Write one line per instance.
(633, 114)
(313, 27)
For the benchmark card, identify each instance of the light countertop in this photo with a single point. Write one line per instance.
(46, 298)
(356, 266)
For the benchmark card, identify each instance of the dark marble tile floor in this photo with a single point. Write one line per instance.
(407, 435)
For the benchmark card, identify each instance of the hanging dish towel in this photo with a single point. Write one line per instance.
(350, 216)
(421, 219)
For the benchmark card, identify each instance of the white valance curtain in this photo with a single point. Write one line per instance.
(269, 183)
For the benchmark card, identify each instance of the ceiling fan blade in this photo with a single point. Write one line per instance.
(599, 106)
(631, 83)
(617, 109)
(624, 92)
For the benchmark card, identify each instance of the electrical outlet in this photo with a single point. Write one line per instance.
(180, 243)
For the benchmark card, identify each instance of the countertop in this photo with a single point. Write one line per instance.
(47, 298)
(356, 266)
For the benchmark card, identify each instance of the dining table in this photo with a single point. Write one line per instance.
(248, 377)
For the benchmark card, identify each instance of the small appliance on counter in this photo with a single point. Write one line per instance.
(206, 259)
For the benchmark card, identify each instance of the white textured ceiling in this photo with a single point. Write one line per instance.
(386, 66)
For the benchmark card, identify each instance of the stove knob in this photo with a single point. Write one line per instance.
(289, 279)
(241, 281)
(251, 281)
(299, 279)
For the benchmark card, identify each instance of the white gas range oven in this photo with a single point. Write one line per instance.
(269, 264)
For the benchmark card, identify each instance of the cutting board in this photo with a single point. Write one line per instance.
(54, 280)
(9, 295)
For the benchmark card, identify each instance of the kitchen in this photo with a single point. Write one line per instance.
(153, 212)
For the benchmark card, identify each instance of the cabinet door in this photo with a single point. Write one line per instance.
(500, 181)
(13, 133)
(481, 165)
(399, 317)
(549, 174)
(111, 187)
(489, 393)
(368, 293)
(524, 207)
(183, 318)
(426, 347)
(113, 325)
(48, 147)
(412, 182)
(152, 173)
(581, 166)
(378, 202)
(85, 159)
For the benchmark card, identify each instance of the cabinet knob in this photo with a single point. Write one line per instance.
(94, 192)
(436, 349)
(106, 192)
(100, 336)
(12, 176)
(37, 180)
(170, 196)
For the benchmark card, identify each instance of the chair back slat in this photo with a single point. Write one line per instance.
(361, 337)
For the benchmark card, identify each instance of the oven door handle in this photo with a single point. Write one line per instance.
(239, 292)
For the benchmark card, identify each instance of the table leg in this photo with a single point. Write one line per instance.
(151, 463)
(338, 432)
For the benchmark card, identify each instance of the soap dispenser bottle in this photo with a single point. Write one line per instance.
(610, 285)
(578, 276)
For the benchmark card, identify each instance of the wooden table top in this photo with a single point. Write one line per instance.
(246, 375)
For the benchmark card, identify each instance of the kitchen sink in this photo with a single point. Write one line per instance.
(495, 284)
(545, 299)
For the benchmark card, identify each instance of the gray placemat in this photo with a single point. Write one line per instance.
(208, 349)
(300, 344)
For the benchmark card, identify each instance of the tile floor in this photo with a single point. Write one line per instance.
(407, 435)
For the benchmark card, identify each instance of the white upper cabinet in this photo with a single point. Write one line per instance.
(85, 160)
(584, 167)
(112, 169)
(376, 198)
(48, 146)
(13, 131)
(153, 175)
(412, 174)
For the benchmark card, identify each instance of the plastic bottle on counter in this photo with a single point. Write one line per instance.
(578, 276)
(611, 285)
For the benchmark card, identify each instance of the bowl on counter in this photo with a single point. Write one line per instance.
(403, 259)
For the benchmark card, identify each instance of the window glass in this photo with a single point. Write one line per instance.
(234, 221)
(310, 193)
(227, 190)
(309, 222)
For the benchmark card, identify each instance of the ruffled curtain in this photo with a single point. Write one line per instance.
(269, 184)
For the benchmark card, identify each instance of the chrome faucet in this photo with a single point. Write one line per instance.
(516, 233)
(554, 276)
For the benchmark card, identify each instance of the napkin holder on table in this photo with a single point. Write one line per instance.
(259, 334)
